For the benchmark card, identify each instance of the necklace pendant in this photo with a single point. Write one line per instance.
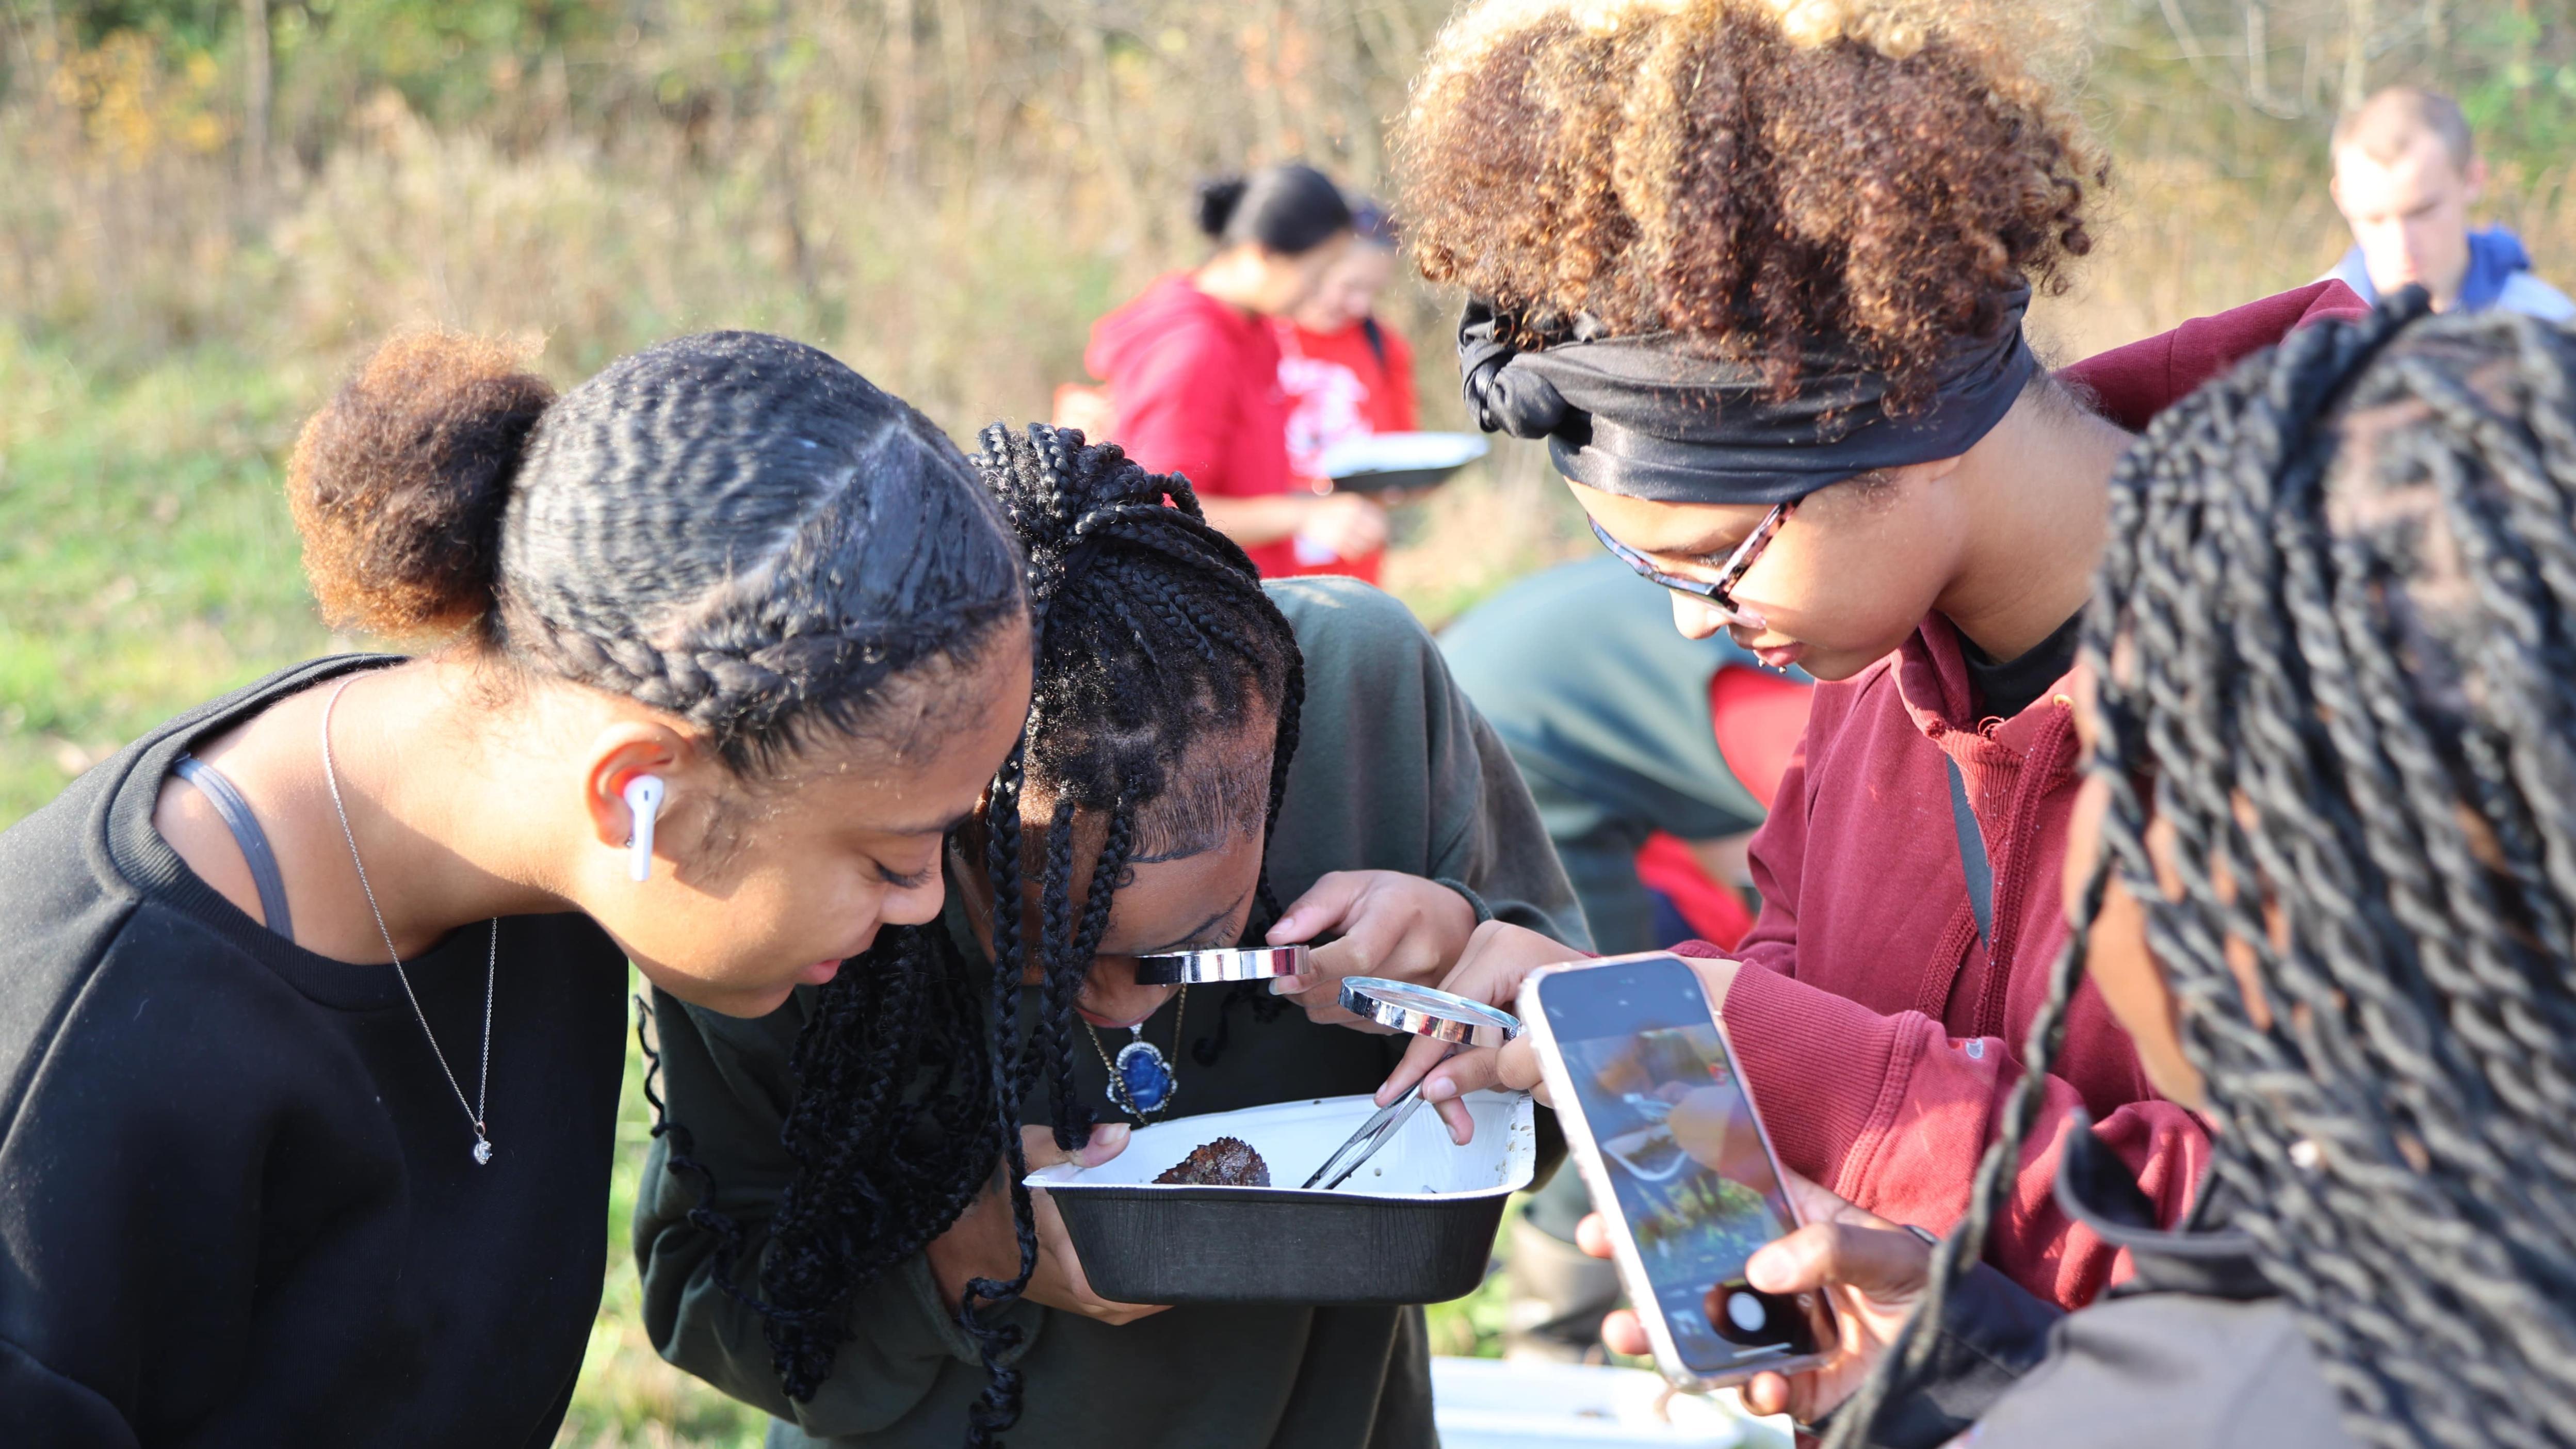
(1145, 1076)
(482, 1150)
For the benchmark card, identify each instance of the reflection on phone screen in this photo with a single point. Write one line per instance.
(1679, 1144)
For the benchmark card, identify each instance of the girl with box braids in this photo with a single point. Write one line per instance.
(2336, 640)
(1154, 636)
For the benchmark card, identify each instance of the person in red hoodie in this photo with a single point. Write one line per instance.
(1193, 368)
(1347, 374)
(1788, 381)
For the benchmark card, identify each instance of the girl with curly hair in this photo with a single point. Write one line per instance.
(1755, 270)
(2321, 874)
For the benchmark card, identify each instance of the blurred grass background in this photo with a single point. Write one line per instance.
(208, 208)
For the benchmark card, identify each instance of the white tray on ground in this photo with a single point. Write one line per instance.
(1491, 1403)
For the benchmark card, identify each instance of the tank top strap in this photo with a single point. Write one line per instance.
(235, 810)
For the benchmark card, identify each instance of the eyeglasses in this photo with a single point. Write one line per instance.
(1718, 593)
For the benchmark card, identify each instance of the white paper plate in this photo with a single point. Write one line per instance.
(1401, 453)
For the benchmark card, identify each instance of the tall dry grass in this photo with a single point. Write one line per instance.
(945, 192)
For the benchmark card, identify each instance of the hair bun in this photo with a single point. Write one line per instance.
(1218, 196)
(399, 483)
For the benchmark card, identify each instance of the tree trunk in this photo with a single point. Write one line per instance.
(1100, 118)
(2258, 57)
(962, 120)
(2356, 55)
(902, 85)
(256, 89)
(1268, 102)
(2180, 25)
(786, 179)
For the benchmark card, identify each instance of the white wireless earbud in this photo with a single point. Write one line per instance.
(643, 801)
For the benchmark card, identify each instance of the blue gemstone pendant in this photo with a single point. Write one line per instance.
(1144, 1076)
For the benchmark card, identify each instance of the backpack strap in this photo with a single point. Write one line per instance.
(1972, 854)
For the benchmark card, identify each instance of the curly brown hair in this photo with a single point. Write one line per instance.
(398, 486)
(1761, 176)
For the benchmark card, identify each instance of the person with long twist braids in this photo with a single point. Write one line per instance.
(832, 1226)
(2325, 875)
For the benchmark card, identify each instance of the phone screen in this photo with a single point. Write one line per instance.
(1677, 1140)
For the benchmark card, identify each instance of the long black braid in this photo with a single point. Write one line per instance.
(2341, 598)
(1154, 635)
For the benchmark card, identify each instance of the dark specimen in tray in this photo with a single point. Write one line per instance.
(1226, 1162)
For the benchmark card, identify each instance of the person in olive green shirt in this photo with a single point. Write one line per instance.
(1165, 674)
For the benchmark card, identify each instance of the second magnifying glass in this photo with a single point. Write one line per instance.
(1428, 1011)
(1422, 1011)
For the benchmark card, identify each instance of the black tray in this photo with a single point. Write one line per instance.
(1146, 1243)
(1227, 1245)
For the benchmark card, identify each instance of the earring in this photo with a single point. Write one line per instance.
(643, 799)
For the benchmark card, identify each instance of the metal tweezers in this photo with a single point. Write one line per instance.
(1374, 1133)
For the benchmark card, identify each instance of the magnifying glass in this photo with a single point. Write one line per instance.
(1422, 1011)
(1226, 963)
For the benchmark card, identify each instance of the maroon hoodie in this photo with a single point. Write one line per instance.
(1196, 387)
(1879, 1034)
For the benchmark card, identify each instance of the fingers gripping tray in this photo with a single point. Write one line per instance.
(1416, 1225)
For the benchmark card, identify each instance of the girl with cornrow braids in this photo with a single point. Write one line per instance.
(2323, 876)
(832, 1229)
(1755, 270)
(312, 1000)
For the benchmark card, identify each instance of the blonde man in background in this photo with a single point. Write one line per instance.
(2406, 172)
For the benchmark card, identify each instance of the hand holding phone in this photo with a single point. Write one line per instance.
(1667, 1139)
(1871, 1270)
(1499, 957)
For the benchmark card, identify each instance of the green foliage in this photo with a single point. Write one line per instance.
(180, 24)
(2524, 108)
(145, 560)
(451, 58)
(2188, 75)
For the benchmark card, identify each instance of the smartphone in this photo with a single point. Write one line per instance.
(1663, 1129)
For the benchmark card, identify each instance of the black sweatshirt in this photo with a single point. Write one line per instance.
(237, 1198)
(2198, 1348)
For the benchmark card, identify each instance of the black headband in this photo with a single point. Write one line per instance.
(1639, 416)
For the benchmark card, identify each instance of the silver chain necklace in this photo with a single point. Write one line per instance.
(491, 958)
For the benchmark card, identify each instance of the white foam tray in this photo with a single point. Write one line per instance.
(1294, 1138)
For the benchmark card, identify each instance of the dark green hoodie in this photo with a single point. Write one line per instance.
(1394, 771)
